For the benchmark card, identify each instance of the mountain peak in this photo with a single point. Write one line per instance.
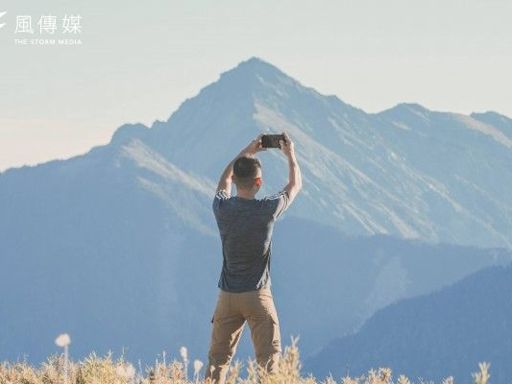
(256, 65)
(255, 69)
(491, 115)
(499, 121)
(405, 108)
(255, 62)
(411, 107)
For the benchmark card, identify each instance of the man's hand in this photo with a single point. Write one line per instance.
(287, 146)
(253, 147)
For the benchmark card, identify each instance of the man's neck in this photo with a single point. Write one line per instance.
(245, 195)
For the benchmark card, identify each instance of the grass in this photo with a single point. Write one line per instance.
(104, 370)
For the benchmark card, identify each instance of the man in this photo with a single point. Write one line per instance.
(246, 224)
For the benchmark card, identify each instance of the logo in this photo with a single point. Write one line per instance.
(48, 33)
(1, 14)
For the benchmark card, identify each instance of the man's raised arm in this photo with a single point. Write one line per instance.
(294, 176)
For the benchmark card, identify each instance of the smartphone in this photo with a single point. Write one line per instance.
(272, 141)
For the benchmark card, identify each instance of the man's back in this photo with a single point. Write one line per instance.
(246, 227)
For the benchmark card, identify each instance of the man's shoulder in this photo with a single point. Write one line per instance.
(222, 194)
(220, 199)
(277, 202)
(276, 196)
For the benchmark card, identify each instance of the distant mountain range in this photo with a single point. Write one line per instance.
(119, 246)
(406, 171)
(446, 333)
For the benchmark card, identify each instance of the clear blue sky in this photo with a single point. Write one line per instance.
(139, 60)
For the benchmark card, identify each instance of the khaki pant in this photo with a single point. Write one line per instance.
(231, 312)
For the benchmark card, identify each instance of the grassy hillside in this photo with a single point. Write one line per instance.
(105, 370)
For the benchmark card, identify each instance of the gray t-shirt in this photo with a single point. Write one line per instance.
(245, 227)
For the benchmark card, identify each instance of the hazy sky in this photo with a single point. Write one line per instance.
(139, 60)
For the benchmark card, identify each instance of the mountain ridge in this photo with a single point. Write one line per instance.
(432, 335)
(127, 129)
(381, 173)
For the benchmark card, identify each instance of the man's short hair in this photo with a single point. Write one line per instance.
(245, 170)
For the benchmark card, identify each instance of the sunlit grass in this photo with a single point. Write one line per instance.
(105, 370)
